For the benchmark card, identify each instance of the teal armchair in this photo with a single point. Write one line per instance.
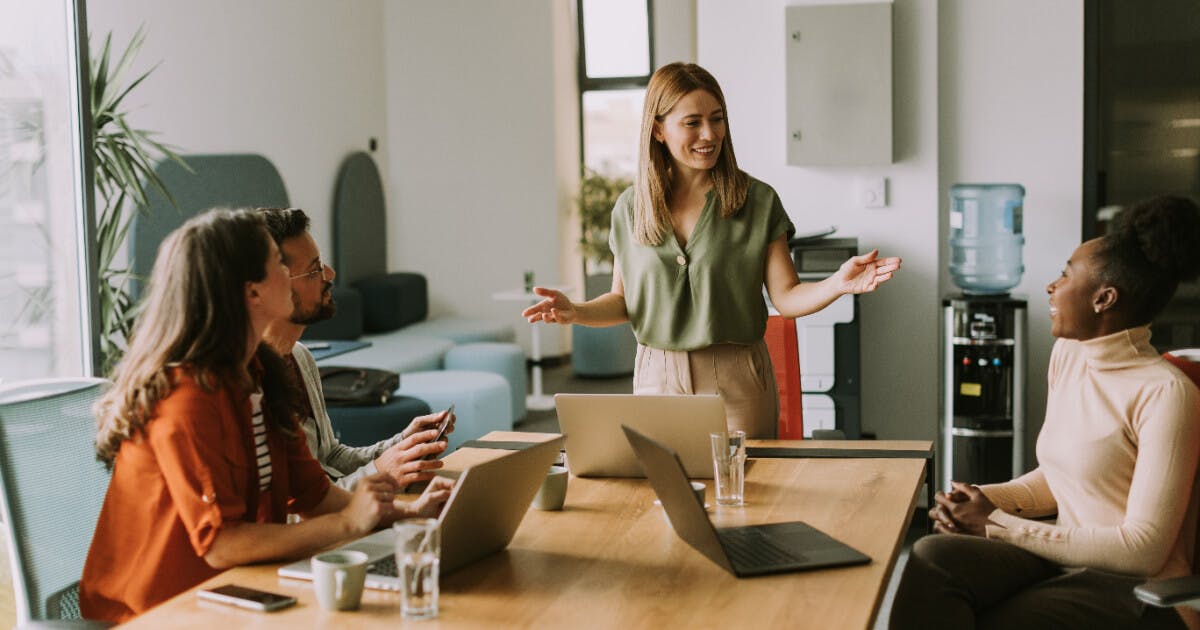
(51, 491)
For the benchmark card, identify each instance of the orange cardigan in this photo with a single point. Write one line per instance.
(174, 487)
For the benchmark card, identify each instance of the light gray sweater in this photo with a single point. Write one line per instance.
(345, 464)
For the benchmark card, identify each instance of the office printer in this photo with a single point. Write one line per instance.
(828, 342)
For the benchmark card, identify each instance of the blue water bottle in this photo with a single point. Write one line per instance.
(985, 237)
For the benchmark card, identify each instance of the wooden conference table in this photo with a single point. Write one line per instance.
(610, 558)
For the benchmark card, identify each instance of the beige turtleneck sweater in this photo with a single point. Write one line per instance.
(1117, 454)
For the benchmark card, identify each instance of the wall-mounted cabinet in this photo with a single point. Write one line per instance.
(839, 84)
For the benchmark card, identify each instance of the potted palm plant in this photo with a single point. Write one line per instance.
(123, 158)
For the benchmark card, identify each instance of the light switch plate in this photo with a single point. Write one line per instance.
(872, 192)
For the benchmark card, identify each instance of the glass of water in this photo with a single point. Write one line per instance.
(418, 556)
(729, 466)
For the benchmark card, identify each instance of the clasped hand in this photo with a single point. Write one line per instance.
(964, 510)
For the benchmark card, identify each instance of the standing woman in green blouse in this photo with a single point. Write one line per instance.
(694, 241)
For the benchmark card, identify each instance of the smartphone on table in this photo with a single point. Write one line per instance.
(244, 597)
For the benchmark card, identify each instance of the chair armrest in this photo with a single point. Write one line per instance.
(1183, 591)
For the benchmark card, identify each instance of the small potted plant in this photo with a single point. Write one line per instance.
(600, 352)
(597, 195)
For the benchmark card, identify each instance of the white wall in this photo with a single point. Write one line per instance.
(474, 104)
(674, 31)
(566, 156)
(473, 181)
(299, 81)
(971, 102)
(742, 44)
(470, 102)
(1014, 113)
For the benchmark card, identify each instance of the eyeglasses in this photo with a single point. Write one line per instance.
(319, 270)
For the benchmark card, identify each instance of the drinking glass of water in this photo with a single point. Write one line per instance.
(729, 461)
(418, 556)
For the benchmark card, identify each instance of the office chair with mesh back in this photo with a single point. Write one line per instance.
(1182, 590)
(51, 491)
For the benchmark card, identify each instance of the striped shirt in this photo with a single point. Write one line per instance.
(261, 451)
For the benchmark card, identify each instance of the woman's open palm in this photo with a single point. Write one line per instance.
(862, 274)
(555, 309)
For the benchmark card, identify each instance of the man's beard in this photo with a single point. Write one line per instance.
(322, 312)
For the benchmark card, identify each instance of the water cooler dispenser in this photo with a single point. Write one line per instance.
(983, 416)
(984, 338)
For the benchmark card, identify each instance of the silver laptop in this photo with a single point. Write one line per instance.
(483, 512)
(743, 551)
(596, 447)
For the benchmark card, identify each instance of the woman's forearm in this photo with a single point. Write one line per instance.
(244, 543)
(805, 298)
(606, 310)
(247, 543)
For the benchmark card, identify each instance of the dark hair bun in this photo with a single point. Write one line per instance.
(1167, 231)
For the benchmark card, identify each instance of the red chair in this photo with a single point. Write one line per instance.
(784, 349)
(1187, 361)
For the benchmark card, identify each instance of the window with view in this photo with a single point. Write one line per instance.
(43, 321)
(614, 67)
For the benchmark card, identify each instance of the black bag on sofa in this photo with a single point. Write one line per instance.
(351, 386)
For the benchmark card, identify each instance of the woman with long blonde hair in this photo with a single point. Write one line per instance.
(694, 240)
(200, 432)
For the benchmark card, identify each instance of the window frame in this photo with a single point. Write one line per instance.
(598, 84)
(89, 260)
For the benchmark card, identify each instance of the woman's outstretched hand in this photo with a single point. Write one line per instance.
(555, 309)
(861, 274)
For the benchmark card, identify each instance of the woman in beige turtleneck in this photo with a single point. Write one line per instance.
(1118, 454)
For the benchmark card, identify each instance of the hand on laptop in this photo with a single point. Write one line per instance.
(431, 501)
(404, 462)
(370, 503)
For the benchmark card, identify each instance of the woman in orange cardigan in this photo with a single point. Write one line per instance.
(199, 430)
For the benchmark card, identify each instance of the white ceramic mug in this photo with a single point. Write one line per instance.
(338, 578)
(553, 492)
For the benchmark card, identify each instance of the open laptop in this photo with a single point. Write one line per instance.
(743, 551)
(480, 517)
(597, 448)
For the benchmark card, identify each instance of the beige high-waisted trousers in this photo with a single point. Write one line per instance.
(741, 374)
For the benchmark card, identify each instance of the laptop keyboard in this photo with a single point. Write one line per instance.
(750, 547)
(385, 566)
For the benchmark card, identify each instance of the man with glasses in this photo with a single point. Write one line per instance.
(403, 456)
